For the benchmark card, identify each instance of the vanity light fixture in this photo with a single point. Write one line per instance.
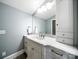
(39, 10)
(49, 5)
(42, 9)
(46, 7)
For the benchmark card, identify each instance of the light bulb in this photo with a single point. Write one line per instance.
(39, 10)
(49, 5)
(43, 8)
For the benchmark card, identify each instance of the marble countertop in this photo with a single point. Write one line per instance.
(48, 41)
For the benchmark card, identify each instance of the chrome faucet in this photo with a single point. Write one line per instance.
(42, 35)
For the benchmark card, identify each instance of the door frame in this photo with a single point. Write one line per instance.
(51, 26)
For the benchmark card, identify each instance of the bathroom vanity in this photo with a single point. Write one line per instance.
(47, 48)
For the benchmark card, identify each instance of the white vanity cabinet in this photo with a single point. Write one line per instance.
(33, 49)
(36, 50)
(65, 21)
(53, 53)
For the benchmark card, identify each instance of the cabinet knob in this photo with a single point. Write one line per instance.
(57, 24)
(63, 34)
(32, 48)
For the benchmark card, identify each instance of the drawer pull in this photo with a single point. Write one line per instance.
(57, 53)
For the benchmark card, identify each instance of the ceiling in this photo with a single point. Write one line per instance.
(31, 6)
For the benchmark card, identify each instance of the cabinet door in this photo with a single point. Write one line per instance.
(64, 15)
(37, 51)
(71, 56)
(68, 56)
(30, 52)
(34, 50)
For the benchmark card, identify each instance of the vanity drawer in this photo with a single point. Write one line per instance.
(54, 53)
(63, 34)
(65, 40)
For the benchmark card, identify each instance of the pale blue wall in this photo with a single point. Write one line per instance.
(40, 24)
(15, 23)
(48, 26)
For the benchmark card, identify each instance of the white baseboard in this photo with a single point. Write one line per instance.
(15, 54)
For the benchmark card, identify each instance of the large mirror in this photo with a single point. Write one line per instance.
(44, 18)
(44, 26)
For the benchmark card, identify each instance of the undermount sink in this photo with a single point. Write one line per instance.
(40, 38)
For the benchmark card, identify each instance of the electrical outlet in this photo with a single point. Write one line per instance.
(2, 31)
(4, 53)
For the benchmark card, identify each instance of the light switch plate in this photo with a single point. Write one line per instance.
(4, 53)
(2, 31)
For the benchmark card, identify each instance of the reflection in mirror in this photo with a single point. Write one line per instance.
(38, 25)
(51, 26)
